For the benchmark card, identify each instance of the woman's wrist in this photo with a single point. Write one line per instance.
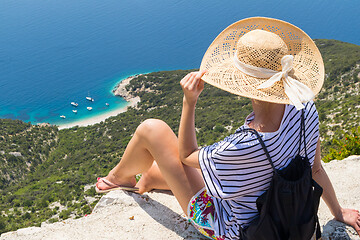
(339, 215)
(189, 103)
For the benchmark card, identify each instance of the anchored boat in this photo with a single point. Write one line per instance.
(89, 99)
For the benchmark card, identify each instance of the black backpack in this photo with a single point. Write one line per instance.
(288, 209)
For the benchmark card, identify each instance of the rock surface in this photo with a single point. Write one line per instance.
(156, 215)
(120, 88)
(344, 176)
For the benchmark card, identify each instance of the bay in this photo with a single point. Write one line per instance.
(56, 52)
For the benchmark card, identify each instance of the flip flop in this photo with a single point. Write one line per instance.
(114, 187)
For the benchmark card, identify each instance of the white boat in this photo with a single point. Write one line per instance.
(89, 99)
(74, 111)
(62, 116)
(106, 104)
(74, 104)
(89, 108)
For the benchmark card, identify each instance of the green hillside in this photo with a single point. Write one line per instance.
(49, 180)
(22, 148)
(338, 103)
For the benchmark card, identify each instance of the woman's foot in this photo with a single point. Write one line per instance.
(111, 183)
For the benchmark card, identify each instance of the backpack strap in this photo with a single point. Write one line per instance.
(302, 132)
(262, 145)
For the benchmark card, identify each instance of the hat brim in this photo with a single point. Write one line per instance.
(308, 66)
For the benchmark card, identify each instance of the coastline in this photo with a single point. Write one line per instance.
(119, 90)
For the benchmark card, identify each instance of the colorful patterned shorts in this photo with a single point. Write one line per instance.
(201, 213)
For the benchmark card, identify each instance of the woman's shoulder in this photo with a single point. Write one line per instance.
(310, 107)
(309, 110)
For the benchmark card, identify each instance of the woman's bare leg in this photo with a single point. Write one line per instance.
(154, 139)
(152, 179)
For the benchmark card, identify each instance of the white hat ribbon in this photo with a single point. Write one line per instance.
(296, 91)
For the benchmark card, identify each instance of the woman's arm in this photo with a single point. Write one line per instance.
(348, 216)
(192, 86)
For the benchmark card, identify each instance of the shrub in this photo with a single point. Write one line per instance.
(348, 145)
(2, 224)
(219, 128)
(64, 214)
(28, 203)
(91, 192)
(26, 216)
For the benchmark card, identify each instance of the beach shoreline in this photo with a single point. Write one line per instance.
(118, 90)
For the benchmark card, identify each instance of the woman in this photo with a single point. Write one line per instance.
(280, 69)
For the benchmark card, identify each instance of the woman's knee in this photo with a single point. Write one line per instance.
(152, 128)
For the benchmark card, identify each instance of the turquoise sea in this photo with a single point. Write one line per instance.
(56, 52)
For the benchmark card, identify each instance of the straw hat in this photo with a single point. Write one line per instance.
(265, 59)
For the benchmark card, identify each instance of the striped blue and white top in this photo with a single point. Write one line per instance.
(236, 171)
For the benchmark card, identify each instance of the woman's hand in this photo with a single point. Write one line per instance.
(192, 86)
(350, 217)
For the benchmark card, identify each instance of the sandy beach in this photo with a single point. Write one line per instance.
(119, 90)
